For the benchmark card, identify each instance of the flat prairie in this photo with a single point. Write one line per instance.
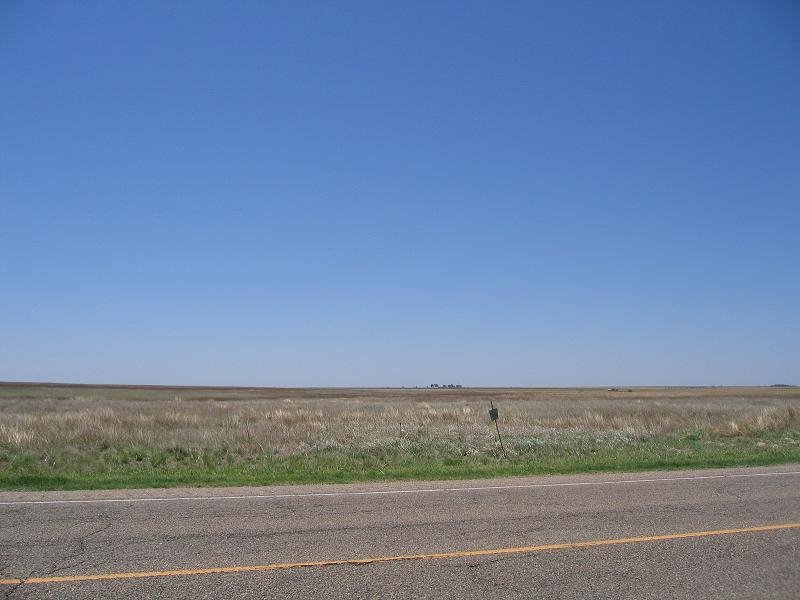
(65, 436)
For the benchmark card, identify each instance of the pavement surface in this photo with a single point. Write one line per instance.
(727, 533)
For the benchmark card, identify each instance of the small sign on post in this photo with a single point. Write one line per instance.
(494, 416)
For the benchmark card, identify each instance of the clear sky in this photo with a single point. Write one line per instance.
(400, 193)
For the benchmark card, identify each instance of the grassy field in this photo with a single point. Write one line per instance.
(80, 437)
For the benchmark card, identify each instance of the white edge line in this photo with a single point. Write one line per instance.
(393, 492)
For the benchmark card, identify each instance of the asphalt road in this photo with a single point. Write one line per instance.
(491, 533)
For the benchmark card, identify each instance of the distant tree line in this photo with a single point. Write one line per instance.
(449, 385)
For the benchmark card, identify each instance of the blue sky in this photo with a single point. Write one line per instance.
(400, 193)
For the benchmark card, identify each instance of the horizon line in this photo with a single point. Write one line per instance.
(616, 387)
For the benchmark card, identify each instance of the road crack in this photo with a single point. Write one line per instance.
(13, 588)
(64, 563)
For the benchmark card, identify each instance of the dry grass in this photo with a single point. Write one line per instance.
(58, 421)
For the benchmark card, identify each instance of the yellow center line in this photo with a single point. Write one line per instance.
(383, 559)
